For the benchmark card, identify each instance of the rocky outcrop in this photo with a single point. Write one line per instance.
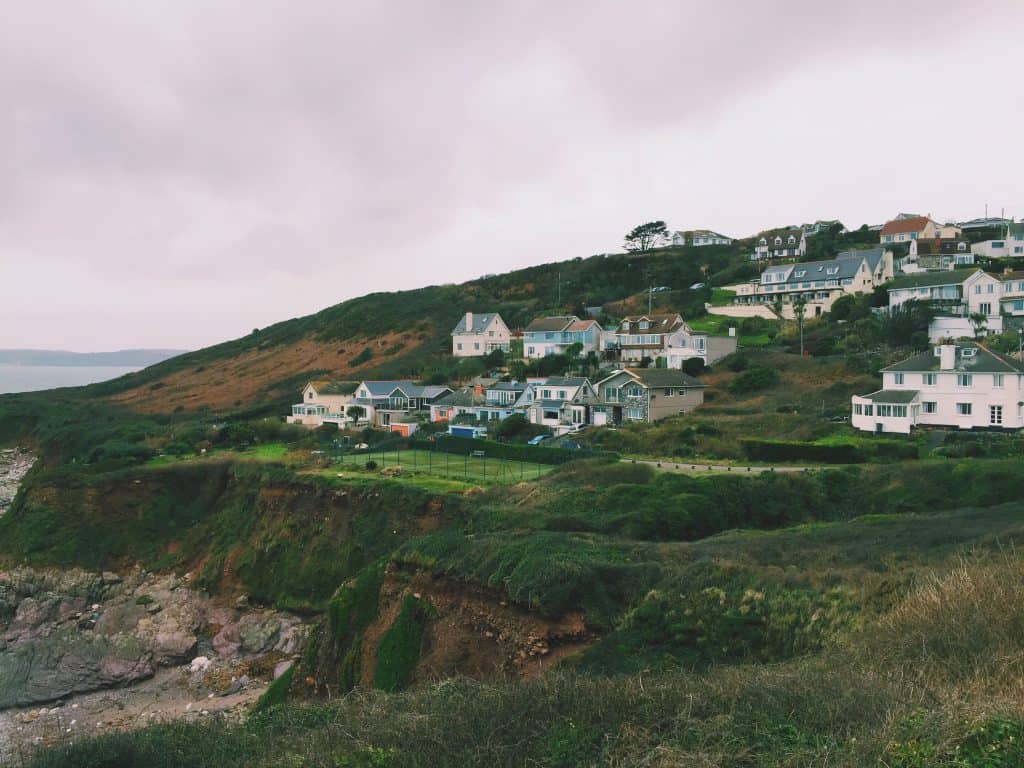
(69, 632)
(14, 465)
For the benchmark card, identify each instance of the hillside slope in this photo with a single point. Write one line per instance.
(405, 332)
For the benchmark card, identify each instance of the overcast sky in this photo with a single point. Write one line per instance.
(174, 173)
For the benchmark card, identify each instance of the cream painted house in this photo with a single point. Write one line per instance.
(323, 401)
(667, 340)
(818, 283)
(964, 386)
(903, 229)
(479, 333)
(780, 244)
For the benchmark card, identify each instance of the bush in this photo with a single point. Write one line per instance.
(362, 357)
(399, 649)
(754, 379)
(693, 366)
(538, 454)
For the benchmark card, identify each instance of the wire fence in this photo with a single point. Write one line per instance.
(473, 467)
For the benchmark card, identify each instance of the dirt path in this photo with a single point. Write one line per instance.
(696, 467)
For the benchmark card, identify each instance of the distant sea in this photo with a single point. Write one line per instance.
(31, 378)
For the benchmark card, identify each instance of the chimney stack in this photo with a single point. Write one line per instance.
(947, 357)
(469, 322)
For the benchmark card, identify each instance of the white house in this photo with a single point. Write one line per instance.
(964, 386)
(562, 403)
(1012, 299)
(665, 339)
(479, 334)
(323, 401)
(1009, 246)
(780, 244)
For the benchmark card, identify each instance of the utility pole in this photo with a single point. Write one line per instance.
(559, 302)
(650, 298)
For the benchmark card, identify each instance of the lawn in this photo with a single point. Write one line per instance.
(275, 452)
(451, 466)
(720, 324)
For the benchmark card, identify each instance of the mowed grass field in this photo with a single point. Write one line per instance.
(475, 469)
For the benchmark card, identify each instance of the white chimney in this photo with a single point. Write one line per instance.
(947, 357)
(469, 322)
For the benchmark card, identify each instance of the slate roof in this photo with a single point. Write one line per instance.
(480, 322)
(930, 279)
(509, 386)
(556, 323)
(659, 323)
(983, 360)
(905, 226)
(464, 397)
(410, 388)
(708, 233)
(665, 377)
(832, 269)
(898, 396)
(873, 256)
(657, 377)
(564, 381)
(1015, 229)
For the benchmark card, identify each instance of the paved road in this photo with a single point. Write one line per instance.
(681, 466)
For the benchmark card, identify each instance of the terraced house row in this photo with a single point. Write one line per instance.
(664, 339)
(561, 403)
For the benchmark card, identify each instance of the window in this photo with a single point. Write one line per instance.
(668, 391)
(928, 379)
(964, 379)
(888, 238)
(997, 380)
(546, 394)
(634, 413)
(929, 406)
(561, 394)
(681, 391)
(857, 409)
(897, 378)
(459, 345)
(985, 308)
(792, 240)
(529, 351)
(990, 288)
(995, 415)
(476, 345)
(644, 325)
(977, 289)
(867, 410)
(490, 333)
(963, 409)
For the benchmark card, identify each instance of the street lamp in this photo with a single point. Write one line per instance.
(1020, 343)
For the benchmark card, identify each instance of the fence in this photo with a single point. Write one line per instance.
(474, 466)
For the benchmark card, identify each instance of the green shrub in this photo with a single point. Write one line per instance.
(399, 649)
(754, 379)
(277, 691)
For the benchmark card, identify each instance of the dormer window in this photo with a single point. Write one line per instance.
(644, 325)
(961, 246)
(310, 395)
(625, 325)
(778, 241)
(800, 273)
(792, 240)
(762, 241)
(832, 270)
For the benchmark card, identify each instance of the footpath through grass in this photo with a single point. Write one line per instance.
(473, 469)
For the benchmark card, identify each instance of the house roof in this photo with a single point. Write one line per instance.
(983, 360)
(582, 325)
(465, 397)
(434, 390)
(1008, 276)
(708, 233)
(944, 245)
(1015, 229)
(898, 396)
(929, 279)
(555, 323)
(509, 386)
(832, 269)
(659, 323)
(905, 225)
(565, 381)
(410, 388)
(480, 322)
(784, 233)
(657, 377)
(324, 387)
(664, 377)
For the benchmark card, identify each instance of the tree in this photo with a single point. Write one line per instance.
(646, 236)
(799, 310)
(355, 412)
(978, 323)
(777, 306)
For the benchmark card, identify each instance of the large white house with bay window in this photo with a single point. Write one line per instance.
(963, 386)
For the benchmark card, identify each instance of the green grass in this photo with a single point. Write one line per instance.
(470, 469)
(720, 324)
(721, 297)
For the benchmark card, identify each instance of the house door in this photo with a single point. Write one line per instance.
(600, 418)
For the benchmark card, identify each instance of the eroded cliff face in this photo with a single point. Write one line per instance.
(14, 465)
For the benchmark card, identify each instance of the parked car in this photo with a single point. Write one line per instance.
(538, 439)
